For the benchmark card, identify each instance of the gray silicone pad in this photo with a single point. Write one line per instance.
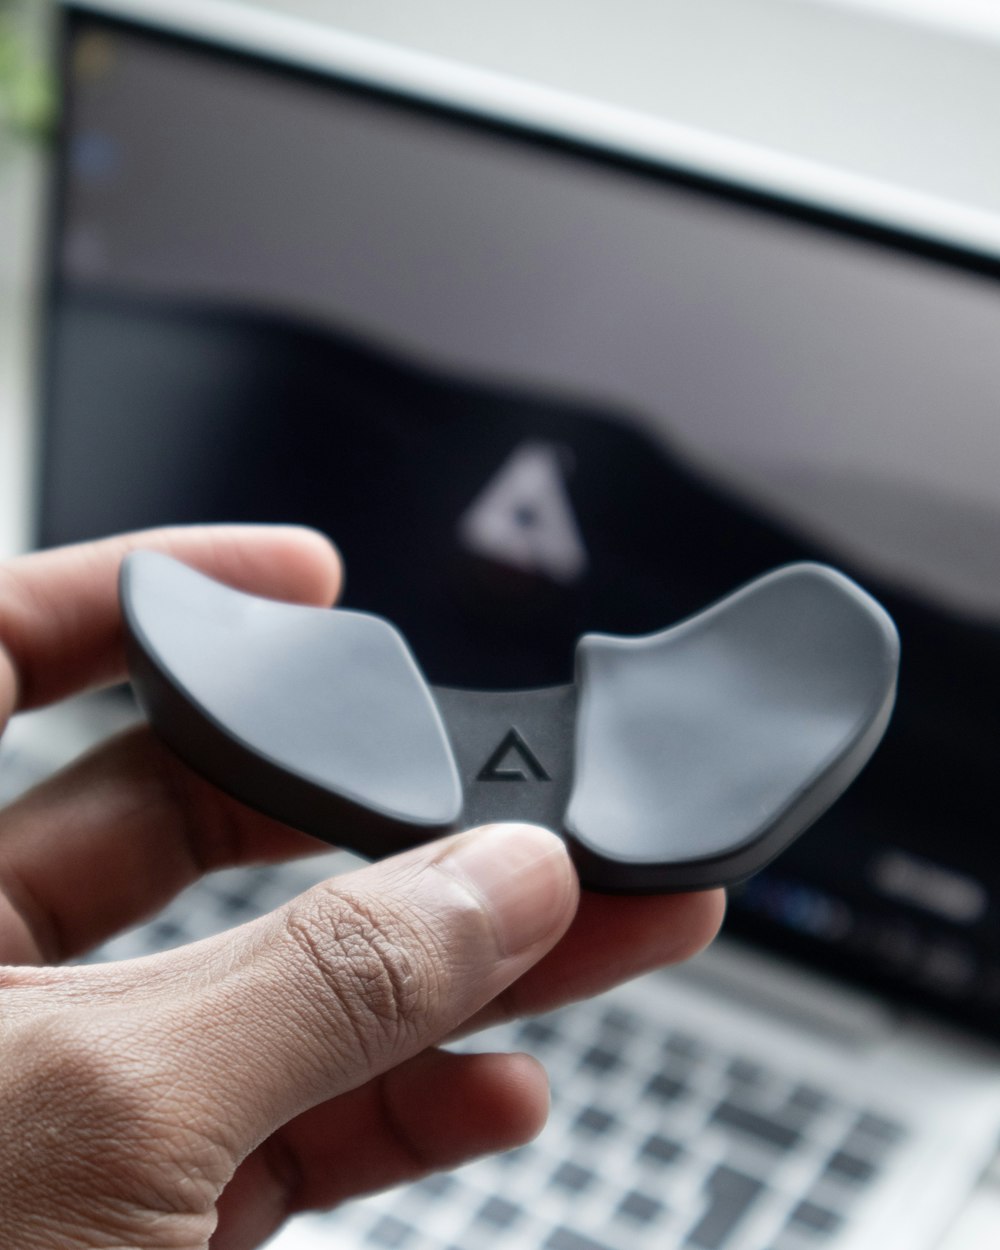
(301, 712)
(724, 737)
(679, 760)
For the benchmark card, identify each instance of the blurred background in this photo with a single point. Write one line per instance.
(678, 383)
(898, 90)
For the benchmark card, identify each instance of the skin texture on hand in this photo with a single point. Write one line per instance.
(197, 1098)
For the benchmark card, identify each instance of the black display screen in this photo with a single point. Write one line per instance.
(532, 391)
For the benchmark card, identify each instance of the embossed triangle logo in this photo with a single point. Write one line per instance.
(502, 764)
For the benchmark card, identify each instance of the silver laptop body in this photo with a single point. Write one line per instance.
(640, 330)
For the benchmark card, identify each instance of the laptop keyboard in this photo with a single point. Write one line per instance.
(658, 1137)
(653, 1141)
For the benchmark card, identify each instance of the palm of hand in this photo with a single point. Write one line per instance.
(199, 1097)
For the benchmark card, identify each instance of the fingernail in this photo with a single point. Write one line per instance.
(524, 876)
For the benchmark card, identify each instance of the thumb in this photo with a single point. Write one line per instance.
(359, 974)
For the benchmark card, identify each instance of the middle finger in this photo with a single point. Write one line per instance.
(111, 839)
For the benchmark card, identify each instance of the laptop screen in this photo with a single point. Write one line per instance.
(532, 391)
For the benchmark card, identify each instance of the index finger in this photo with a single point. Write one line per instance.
(60, 627)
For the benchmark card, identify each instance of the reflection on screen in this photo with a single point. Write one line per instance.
(532, 394)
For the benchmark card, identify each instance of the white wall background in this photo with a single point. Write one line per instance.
(905, 90)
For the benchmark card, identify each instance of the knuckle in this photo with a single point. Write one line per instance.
(66, 1093)
(79, 1081)
(70, 1061)
(95, 1119)
(374, 967)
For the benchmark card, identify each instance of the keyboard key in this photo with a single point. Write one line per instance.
(666, 1088)
(572, 1177)
(844, 1166)
(880, 1128)
(731, 1195)
(165, 934)
(437, 1184)
(661, 1150)
(808, 1098)
(744, 1072)
(564, 1238)
(873, 1146)
(537, 1034)
(614, 1020)
(498, 1212)
(235, 903)
(600, 1059)
(762, 1128)
(819, 1220)
(594, 1120)
(389, 1232)
(682, 1046)
(640, 1208)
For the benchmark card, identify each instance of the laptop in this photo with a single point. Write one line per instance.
(537, 377)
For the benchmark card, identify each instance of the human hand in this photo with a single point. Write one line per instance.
(199, 1097)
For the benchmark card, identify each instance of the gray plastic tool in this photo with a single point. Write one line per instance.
(678, 760)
